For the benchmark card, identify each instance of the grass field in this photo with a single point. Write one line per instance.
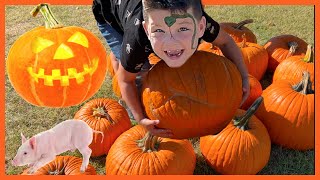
(269, 21)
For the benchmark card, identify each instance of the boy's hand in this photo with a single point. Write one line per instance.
(245, 89)
(150, 126)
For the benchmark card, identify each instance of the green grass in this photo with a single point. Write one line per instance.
(269, 21)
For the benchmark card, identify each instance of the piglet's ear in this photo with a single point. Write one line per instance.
(32, 142)
(23, 139)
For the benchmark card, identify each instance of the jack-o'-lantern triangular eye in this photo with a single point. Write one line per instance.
(79, 38)
(40, 44)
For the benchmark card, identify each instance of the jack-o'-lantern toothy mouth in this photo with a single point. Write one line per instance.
(64, 79)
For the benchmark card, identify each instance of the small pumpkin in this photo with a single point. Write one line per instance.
(255, 57)
(110, 70)
(209, 47)
(255, 92)
(288, 113)
(193, 100)
(63, 165)
(115, 86)
(136, 152)
(243, 147)
(153, 59)
(236, 30)
(56, 66)
(281, 47)
(293, 67)
(105, 115)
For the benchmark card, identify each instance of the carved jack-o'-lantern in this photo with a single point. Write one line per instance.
(56, 66)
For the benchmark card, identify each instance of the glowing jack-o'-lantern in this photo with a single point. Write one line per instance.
(56, 66)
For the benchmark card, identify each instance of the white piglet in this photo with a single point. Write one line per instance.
(43, 147)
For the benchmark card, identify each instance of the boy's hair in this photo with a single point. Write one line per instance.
(175, 6)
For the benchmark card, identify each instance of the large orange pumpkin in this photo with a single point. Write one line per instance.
(281, 47)
(243, 147)
(288, 113)
(56, 66)
(63, 165)
(293, 67)
(196, 99)
(255, 92)
(107, 116)
(136, 152)
(236, 30)
(255, 58)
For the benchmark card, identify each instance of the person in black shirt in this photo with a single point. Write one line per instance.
(169, 28)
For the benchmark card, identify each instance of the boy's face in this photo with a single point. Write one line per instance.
(174, 37)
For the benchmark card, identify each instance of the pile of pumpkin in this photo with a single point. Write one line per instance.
(189, 104)
(192, 101)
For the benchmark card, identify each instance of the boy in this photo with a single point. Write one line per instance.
(170, 28)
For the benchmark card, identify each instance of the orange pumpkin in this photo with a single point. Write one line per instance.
(243, 147)
(153, 59)
(136, 152)
(115, 86)
(107, 116)
(255, 57)
(255, 92)
(236, 30)
(281, 47)
(56, 66)
(196, 99)
(209, 47)
(110, 69)
(293, 67)
(288, 113)
(63, 165)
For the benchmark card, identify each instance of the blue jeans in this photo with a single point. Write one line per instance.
(113, 38)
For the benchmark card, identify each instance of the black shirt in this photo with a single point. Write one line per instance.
(125, 16)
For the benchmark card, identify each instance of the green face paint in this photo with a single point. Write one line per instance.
(170, 20)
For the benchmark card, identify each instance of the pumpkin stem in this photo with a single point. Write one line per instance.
(305, 85)
(309, 57)
(293, 47)
(148, 143)
(50, 20)
(242, 23)
(100, 112)
(244, 40)
(242, 121)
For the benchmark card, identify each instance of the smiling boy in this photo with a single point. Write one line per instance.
(169, 28)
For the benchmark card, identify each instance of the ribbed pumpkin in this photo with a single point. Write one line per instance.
(110, 70)
(288, 113)
(243, 147)
(255, 57)
(281, 47)
(209, 47)
(107, 116)
(236, 30)
(63, 165)
(115, 86)
(136, 152)
(293, 67)
(255, 92)
(56, 66)
(196, 99)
